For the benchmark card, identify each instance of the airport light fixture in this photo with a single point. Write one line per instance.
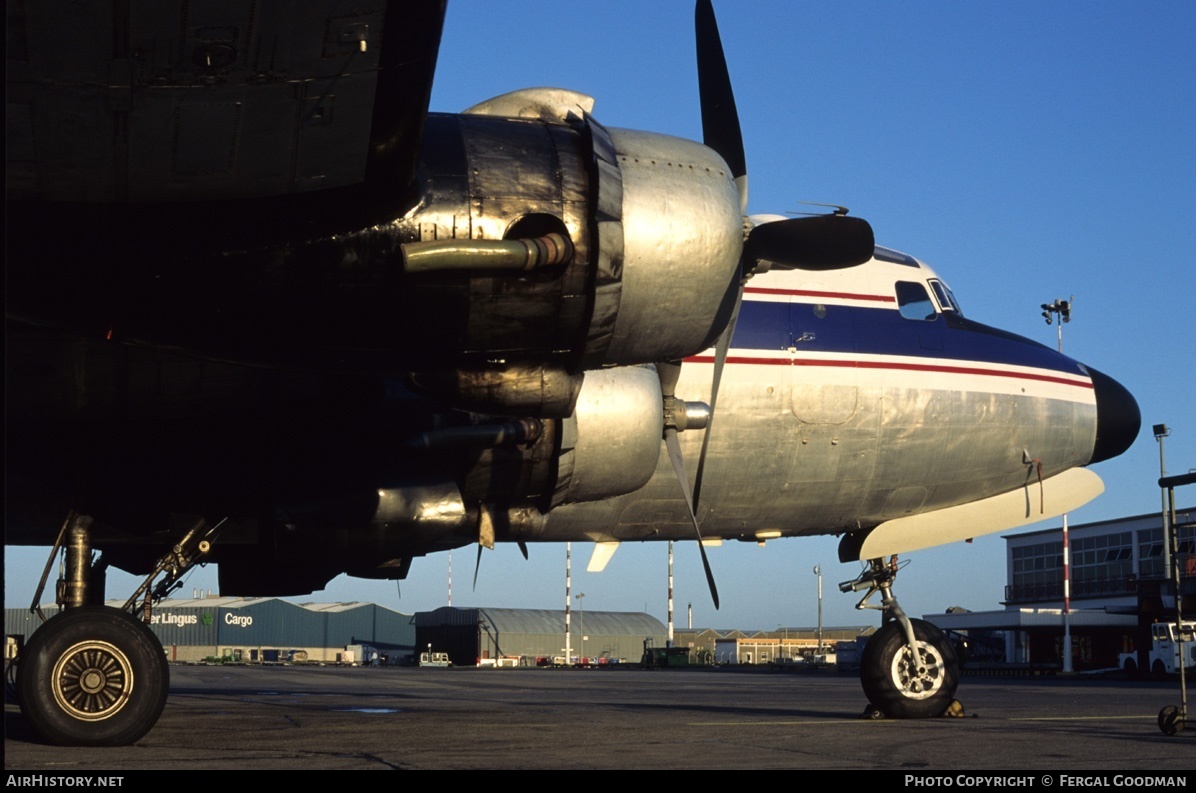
(1062, 308)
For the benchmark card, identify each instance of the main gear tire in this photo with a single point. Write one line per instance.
(905, 688)
(93, 676)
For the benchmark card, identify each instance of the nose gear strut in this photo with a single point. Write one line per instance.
(908, 668)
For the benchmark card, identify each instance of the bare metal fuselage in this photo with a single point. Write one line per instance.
(837, 412)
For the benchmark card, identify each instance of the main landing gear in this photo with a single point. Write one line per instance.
(908, 669)
(93, 675)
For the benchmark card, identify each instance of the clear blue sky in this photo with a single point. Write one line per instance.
(1027, 150)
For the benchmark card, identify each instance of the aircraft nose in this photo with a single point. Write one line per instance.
(1118, 418)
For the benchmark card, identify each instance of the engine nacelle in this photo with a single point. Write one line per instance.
(653, 221)
(482, 482)
(611, 443)
(607, 446)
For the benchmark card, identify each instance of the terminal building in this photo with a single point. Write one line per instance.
(1121, 581)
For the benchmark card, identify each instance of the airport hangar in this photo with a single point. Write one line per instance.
(256, 630)
(270, 630)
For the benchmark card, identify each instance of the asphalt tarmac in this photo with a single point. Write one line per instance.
(339, 718)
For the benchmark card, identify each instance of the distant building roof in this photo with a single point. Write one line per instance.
(338, 607)
(546, 621)
(1182, 516)
(240, 603)
(209, 602)
(1023, 619)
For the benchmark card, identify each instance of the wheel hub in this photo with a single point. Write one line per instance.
(920, 678)
(92, 680)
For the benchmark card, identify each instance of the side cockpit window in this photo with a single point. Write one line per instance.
(946, 297)
(914, 301)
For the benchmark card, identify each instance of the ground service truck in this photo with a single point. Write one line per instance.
(1165, 649)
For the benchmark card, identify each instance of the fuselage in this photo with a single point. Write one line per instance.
(855, 396)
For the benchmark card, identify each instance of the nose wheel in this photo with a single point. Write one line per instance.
(909, 683)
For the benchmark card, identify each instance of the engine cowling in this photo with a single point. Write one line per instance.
(611, 443)
(653, 221)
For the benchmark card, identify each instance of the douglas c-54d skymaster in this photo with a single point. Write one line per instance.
(266, 310)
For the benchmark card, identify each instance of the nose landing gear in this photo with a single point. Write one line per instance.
(908, 669)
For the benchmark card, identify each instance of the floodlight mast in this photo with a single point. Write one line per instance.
(1062, 309)
(1162, 431)
(818, 572)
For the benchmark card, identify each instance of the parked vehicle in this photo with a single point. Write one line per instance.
(1164, 655)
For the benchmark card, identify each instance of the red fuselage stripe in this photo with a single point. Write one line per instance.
(756, 290)
(912, 367)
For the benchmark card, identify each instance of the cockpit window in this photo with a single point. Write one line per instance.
(914, 301)
(946, 297)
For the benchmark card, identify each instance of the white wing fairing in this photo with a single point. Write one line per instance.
(1035, 501)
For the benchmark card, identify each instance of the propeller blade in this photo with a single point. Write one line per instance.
(668, 372)
(720, 119)
(477, 566)
(674, 447)
(819, 242)
(523, 548)
(720, 358)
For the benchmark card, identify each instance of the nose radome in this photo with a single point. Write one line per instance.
(1118, 418)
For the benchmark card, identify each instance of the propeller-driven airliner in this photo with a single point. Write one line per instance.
(266, 310)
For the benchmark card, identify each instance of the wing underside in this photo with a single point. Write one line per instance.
(236, 115)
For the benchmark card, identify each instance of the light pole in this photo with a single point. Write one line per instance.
(818, 572)
(568, 583)
(1162, 431)
(1062, 309)
(670, 641)
(581, 624)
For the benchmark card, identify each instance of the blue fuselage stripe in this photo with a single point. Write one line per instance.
(864, 331)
